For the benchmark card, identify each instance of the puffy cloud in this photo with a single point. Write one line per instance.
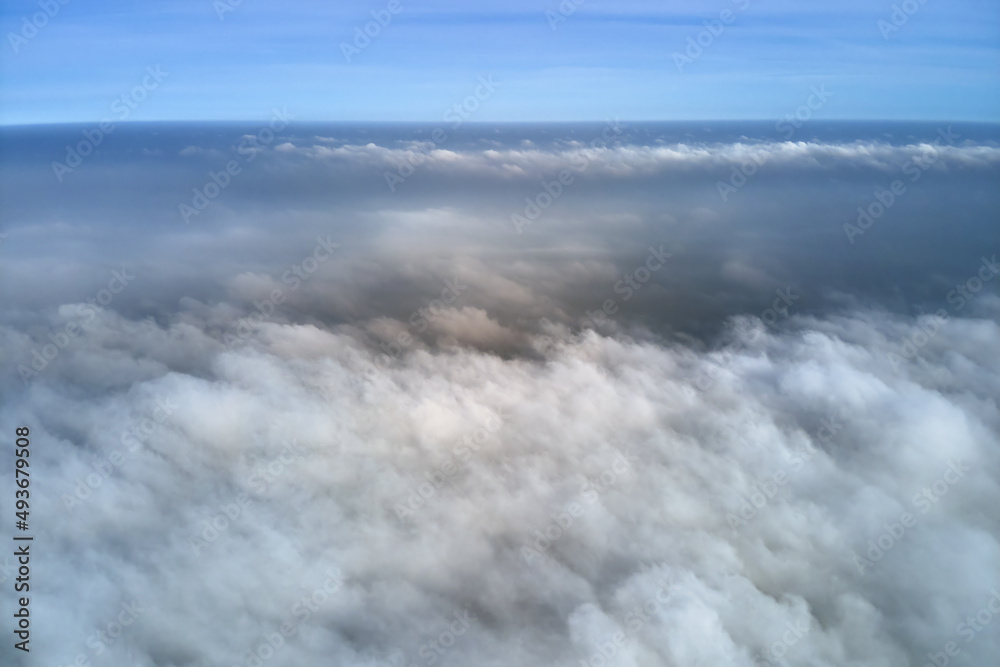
(811, 500)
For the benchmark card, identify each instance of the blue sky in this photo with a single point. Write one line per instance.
(606, 59)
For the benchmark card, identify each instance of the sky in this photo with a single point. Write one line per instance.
(618, 392)
(595, 60)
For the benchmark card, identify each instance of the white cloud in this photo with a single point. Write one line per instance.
(630, 160)
(694, 460)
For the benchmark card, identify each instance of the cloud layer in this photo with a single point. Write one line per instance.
(547, 497)
(598, 158)
(325, 422)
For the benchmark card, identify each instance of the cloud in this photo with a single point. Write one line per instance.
(332, 423)
(626, 161)
(547, 497)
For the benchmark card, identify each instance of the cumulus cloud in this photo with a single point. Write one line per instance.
(727, 496)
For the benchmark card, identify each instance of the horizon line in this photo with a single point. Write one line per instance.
(493, 123)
